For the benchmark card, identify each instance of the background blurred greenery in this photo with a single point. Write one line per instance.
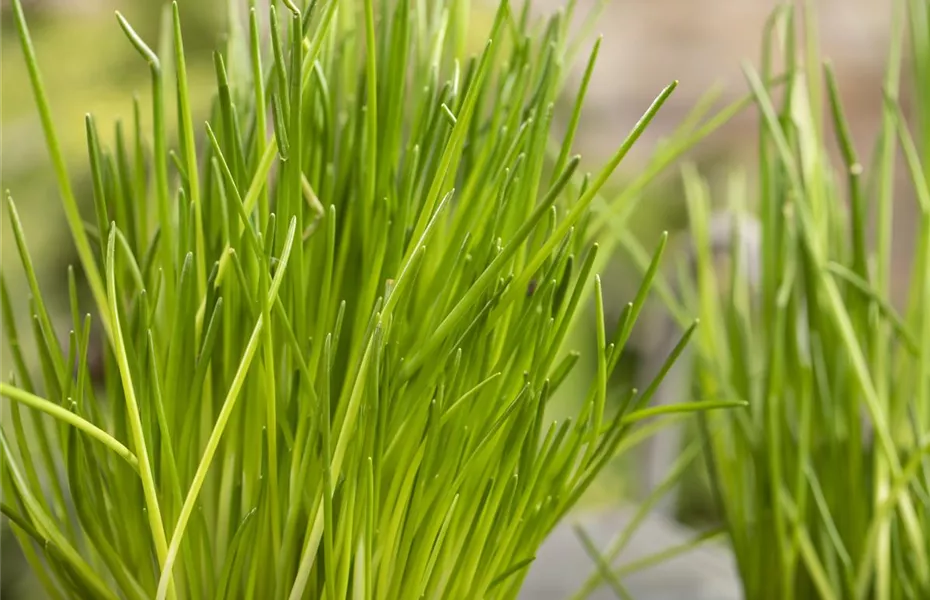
(88, 67)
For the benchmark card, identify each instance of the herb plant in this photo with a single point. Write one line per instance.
(824, 482)
(331, 317)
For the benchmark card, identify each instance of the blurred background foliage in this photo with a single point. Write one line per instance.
(88, 67)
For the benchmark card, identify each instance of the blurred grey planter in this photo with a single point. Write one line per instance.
(562, 566)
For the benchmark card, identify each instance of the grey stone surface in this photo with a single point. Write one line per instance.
(562, 565)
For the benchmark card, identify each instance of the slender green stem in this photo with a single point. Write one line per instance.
(135, 420)
(66, 416)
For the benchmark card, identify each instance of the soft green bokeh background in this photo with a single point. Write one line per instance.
(88, 66)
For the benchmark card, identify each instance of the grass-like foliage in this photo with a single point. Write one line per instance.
(332, 318)
(824, 482)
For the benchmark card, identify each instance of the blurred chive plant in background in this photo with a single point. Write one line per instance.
(824, 483)
(333, 318)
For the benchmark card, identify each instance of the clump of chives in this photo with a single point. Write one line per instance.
(333, 317)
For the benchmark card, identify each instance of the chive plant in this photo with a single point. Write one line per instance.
(332, 319)
(824, 480)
